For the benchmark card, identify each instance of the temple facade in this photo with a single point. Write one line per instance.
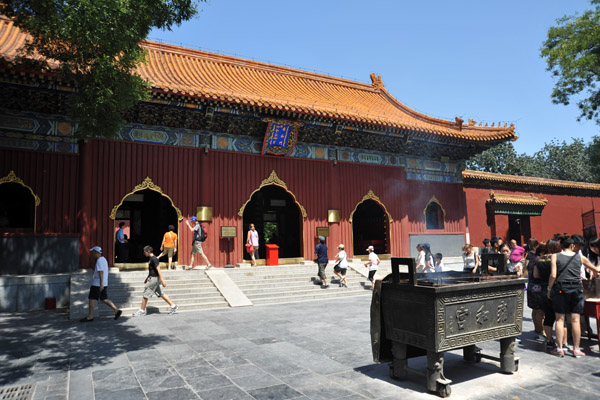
(234, 142)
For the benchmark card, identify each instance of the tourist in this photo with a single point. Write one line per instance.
(470, 259)
(517, 260)
(513, 267)
(420, 260)
(252, 238)
(197, 231)
(438, 264)
(121, 248)
(322, 259)
(593, 254)
(99, 288)
(566, 292)
(536, 291)
(152, 284)
(429, 263)
(372, 264)
(341, 266)
(541, 276)
(530, 255)
(169, 245)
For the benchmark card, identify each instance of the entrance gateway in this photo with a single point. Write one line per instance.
(147, 213)
(277, 220)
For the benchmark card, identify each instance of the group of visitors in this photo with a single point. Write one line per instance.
(556, 270)
(426, 261)
(99, 288)
(341, 264)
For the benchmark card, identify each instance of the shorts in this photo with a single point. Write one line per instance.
(96, 294)
(322, 267)
(549, 314)
(255, 252)
(197, 248)
(569, 300)
(169, 251)
(152, 287)
(535, 295)
(372, 275)
(340, 270)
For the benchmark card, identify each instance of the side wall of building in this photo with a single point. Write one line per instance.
(563, 213)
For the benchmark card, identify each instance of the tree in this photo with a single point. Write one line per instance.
(95, 46)
(570, 162)
(572, 53)
(500, 159)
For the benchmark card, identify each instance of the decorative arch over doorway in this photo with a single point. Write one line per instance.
(12, 178)
(146, 211)
(273, 179)
(435, 215)
(278, 217)
(371, 222)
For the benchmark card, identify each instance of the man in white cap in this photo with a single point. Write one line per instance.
(197, 242)
(372, 264)
(99, 288)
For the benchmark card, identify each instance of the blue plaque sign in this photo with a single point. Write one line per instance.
(280, 138)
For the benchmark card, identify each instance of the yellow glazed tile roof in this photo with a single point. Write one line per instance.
(531, 200)
(194, 73)
(527, 180)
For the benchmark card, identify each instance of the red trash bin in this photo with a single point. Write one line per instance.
(272, 254)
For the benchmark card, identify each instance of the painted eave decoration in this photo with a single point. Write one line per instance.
(203, 76)
(516, 204)
(514, 180)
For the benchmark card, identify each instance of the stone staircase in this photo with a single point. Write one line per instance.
(194, 290)
(293, 283)
(190, 290)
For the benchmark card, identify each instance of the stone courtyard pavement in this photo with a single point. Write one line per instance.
(309, 350)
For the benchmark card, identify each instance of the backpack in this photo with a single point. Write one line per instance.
(200, 235)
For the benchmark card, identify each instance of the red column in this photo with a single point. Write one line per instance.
(84, 212)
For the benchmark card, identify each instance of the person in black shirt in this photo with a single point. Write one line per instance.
(152, 284)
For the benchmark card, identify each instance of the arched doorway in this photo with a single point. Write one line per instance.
(18, 205)
(147, 213)
(369, 228)
(277, 218)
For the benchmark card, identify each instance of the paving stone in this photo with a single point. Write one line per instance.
(256, 381)
(225, 393)
(181, 393)
(277, 392)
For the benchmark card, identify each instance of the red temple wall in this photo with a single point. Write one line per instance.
(225, 181)
(53, 178)
(561, 214)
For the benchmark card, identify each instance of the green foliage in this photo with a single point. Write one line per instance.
(572, 53)
(576, 161)
(96, 45)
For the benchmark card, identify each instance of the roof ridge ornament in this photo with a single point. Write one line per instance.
(376, 81)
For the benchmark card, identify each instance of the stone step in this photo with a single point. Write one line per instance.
(164, 308)
(180, 301)
(323, 293)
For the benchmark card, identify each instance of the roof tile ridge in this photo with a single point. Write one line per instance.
(216, 57)
(438, 121)
(467, 173)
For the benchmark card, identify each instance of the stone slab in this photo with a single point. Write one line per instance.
(230, 291)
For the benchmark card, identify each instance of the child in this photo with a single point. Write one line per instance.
(437, 262)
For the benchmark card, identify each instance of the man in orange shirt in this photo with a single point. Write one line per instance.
(169, 245)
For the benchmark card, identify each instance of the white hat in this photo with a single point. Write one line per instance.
(371, 248)
(97, 248)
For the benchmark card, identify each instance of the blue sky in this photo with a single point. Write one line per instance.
(475, 59)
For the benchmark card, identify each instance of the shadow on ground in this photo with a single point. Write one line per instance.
(48, 342)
